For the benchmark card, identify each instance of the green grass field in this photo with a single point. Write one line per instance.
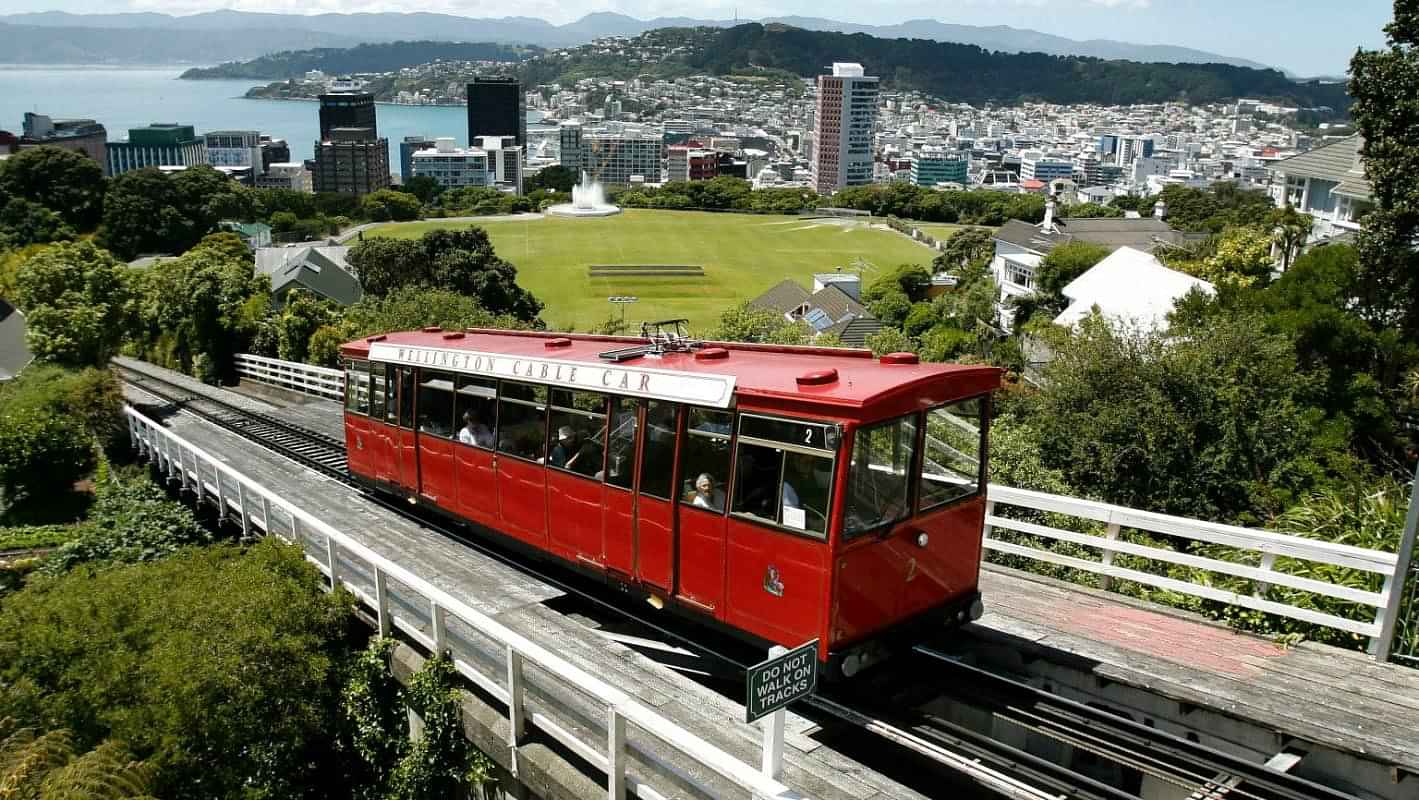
(941, 231)
(742, 255)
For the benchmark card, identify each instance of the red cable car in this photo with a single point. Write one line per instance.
(784, 493)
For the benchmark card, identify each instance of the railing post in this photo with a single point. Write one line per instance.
(381, 601)
(245, 517)
(615, 754)
(1260, 588)
(221, 495)
(266, 515)
(517, 721)
(332, 554)
(1107, 558)
(1387, 617)
(438, 622)
(989, 512)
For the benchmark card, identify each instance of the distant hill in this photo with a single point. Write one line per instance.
(383, 27)
(35, 44)
(384, 57)
(971, 74)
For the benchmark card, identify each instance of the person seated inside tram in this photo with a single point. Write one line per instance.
(574, 452)
(707, 495)
(474, 432)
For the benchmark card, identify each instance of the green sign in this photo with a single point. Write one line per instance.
(782, 679)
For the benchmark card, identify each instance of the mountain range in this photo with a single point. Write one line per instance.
(61, 37)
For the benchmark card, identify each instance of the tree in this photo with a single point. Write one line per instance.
(23, 222)
(1289, 231)
(66, 182)
(74, 301)
(206, 196)
(423, 187)
(219, 666)
(911, 280)
(890, 340)
(1385, 85)
(1243, 257)
(46, 765)
(1091, 211)
(140, 215)
(964, 247)
(1061, 266)
(388, 204)
(891, 308)
(555, 178)
(459, 260)
(44, 449)
(303, 314)
(1214, 424)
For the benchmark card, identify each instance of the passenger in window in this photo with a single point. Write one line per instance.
(474, 432)
(574, 452)
(707, 495)
(790, 496)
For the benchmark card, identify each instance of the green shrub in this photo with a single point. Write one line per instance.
(132, 520)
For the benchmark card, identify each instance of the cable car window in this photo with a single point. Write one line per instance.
(522, 420)
(621, 448)
(879, 479)
(436, 403)
(406, 397)
(578, 432)
(951, 457)
(377, 390)
(789, 485)
(476, 411)
(357, 387)
(704, 461)
(658, 450)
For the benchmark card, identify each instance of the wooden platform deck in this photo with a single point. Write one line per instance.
(1338, 699)
(518, 600)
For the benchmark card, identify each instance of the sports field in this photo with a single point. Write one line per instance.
(742, 255)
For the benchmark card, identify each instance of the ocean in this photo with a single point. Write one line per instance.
(123, 98)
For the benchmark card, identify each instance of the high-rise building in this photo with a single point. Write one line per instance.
(842, 128)
(686, 163)
(504, 161)
(1037, 166)
(616, 155)
(158, 145)
(274, 151)
(495, 109)
(934, 166)
(407, 149)
(347, 110)
(286, 175)
(80, 135)
(570, 140)
(351, 161)
(234, 149)
(452, 167)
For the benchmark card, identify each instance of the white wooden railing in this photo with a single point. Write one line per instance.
(305, 378)
(369, 575)
(1269, 545)
(1379, 629)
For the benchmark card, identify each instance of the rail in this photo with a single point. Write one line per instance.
(1266, 545)
(258, 510)
(1380, 629)
(305, 378)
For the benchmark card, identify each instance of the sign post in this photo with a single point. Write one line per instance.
(622, 301)
(770, 686)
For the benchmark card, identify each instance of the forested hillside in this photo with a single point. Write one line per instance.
(385, 57)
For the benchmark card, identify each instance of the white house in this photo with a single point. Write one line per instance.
(1328, 183)
(1129, 286)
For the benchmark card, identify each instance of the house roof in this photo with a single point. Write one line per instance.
(1338, 161)
(321, 269)
(1129, 285)
(1144, 233)
(783, 297)
(14, 353)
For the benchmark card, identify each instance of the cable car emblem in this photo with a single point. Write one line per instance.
(772, 583)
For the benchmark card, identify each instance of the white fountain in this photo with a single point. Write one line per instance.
(588, 200)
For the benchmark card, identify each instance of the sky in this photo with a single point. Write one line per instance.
(1308, 37)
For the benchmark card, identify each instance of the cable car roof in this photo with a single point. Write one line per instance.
(710, 375)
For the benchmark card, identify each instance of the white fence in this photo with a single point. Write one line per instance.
(1379, 629)
(305, 378)
(1268, 545)
(259, 510)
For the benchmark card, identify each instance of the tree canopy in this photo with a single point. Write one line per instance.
(68, 183)
(462, 261)
(75, 300)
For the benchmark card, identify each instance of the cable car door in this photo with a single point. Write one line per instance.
(655, 498)
(405, 443)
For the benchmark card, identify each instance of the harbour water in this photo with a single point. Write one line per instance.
(123, 98)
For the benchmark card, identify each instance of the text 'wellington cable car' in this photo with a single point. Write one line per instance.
(784, 493)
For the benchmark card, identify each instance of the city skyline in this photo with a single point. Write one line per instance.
(1274, 32)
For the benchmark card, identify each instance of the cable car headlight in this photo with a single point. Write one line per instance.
(922, 540)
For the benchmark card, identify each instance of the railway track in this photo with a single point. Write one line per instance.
(1000, 768)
